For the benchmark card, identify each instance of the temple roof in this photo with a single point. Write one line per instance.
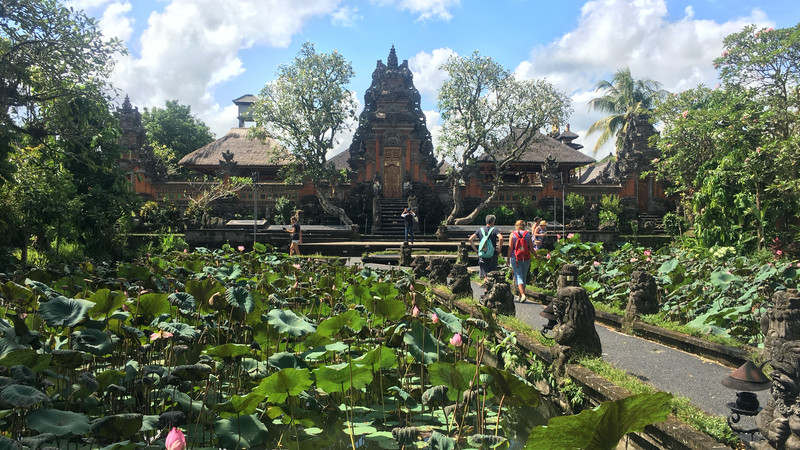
(544, 145)
(340, 160)
(246, 98)
(247, 152)
(593, 173)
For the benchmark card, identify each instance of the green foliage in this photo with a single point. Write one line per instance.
(674, 224)
(175, 128)
(504, 214)
(576, 203)
(283, 210)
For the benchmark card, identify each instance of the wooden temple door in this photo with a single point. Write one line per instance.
(392, 175)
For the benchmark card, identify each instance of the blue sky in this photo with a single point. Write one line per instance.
(205, 53)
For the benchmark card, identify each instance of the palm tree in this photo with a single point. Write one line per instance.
(625, 99)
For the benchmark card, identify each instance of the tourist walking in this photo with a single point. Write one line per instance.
(488, 247)
(539, 232)
(408, 219)
(297, 237)
(519, 256)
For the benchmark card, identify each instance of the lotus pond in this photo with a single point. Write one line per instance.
(248, 350)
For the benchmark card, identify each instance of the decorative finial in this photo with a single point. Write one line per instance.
(126, 105)
(392, 61)
(567, 127)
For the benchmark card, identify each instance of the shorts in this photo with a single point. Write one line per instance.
(487, 265)
(295, 241)
(521, 269)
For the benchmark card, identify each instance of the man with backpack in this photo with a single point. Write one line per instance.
(519, 256)
(490, 241)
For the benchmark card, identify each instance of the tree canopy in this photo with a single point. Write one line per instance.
(489, 114)
(305, 110)
(175, 127)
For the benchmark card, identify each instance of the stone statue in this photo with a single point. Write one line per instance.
(376, 187)
(567, 276)
(459, 280)
(592, 217)
(405, 254)
(439, 270)
(498, 295)
(376, 214)
(463, 254)
(779, 421)
(643, 298)
(575, 332)
(420, 266)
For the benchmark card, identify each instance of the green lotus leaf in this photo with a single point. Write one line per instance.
(35, 442)
(228, 350)
(229, 272)
(340, 377)
(357, 293)
(285, 360)
(64, 312)
(180, 329)
(379, 358)
(456, 376)
(286, 321)
(96, 342)
(119, 426)
(390, 309)
(516, 390)
(452, 322)
(408, 400)
(487, 440)
(109, 377)
(240, 405)
(439, 441)
(333, 325)
(27, 357)
(150, 422)
(254, 368)
(23, 375)
(284, 383)
(23, 396)
(406, 436)
(240, 298)
(68, 359)
(106, 302)
(8, 345)
(322, 351)
(133, 272)
(202, 290)
(193, 372)
(422, 345)
(240, 432)
(604, 426)
(384, 290)
(58, 422)
(184, 301)
(435, 395)
(16, 293)
(41, 288)
(150, 306)
(668, 266)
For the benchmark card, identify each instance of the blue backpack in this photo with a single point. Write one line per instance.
(486, 248)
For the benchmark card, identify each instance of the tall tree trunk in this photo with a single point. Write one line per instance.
(458, 202)
(330, 208)
(466, 220)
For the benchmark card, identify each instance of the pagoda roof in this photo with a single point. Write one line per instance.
(247, 152)
(543, 146)
(246, 98)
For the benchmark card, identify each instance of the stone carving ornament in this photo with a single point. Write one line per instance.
(459, 280)
(439, 270)
(643, 298)
(498, 295)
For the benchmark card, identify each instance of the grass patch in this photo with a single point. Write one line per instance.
(660, 320)
(608, 308)
(513, 323)
(714, 426)
(543, 290)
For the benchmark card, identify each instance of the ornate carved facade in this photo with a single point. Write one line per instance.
(392, 142)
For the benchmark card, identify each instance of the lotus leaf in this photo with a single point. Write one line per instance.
(379, 358)
(456, 376)
(150, 422)
(408, 399)
(23, 375)
(385, 308)
(604, 426)
(16, 293)
(333, 325)
(96, 342)
(89, 381)
(185, 403)
(42, 288)
(340, 377)
(286, 321)
(105, 302)
(61, 311)
(150, 306)
(284, 383)
(422, 345)
(228, 272)
(358, 293)
(515, 390)
(321, 351)
(228, 350)
(452, 322)
(172, 419)
(193, 372)
(285, 360)
(23, 396)
(26, 357)
(180, 329)
(58, 422)
(133, 272)
(68, 359)
(240, 298)
(435, 396)
(239, 405)
(240, 432)
(184, 301)
(34, 442)
(489, 440)
(202, 290)
(406, 435)
(119, 426)
(254, 368)
(439, 441)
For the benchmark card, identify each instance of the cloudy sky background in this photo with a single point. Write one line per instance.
(205, 53)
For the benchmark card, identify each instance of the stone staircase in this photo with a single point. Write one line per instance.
(391, 222)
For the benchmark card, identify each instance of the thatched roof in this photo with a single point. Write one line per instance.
(593, 174)
(339, 160)
(544, 145)
(246, 152)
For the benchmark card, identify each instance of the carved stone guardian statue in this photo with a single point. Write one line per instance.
(459, 280)
(575, 332)
(498, 295)
(567, 276)
(405, 254)
(439, 270)
(779, 421)
(643, 298)
(420, 266)
(463, 253)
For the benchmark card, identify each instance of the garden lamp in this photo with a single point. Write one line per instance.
(747, 379)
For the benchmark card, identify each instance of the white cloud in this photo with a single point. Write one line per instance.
(115, 22)
(193, 45)
(346, 16)
(612, 34)
(428, 77)
(426, 9)
(82, 5)
(434, 122)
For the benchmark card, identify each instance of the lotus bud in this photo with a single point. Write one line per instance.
(435, 318)
(456, 340)
(415, 312)
(175, 440)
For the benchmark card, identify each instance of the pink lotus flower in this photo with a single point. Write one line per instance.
(410, 287)
(160, 334)
(647, 253)
(435, 318)
(456, 340)
(655, 160)
(596, 263)
(570, 236)
(186, 250)
(648, 259)
(634, 259)
(415, 312)
(779, 252)
(548, 256)
(798, 264)
(558, 236)
(684, 114)
(296, 284)
(175, 440)
(296, 266)
(240, 248)
(769, 29)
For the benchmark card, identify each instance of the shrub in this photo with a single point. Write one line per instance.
(576, 203)
(674, 224)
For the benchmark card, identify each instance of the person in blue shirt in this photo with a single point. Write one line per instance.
(408, 219)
